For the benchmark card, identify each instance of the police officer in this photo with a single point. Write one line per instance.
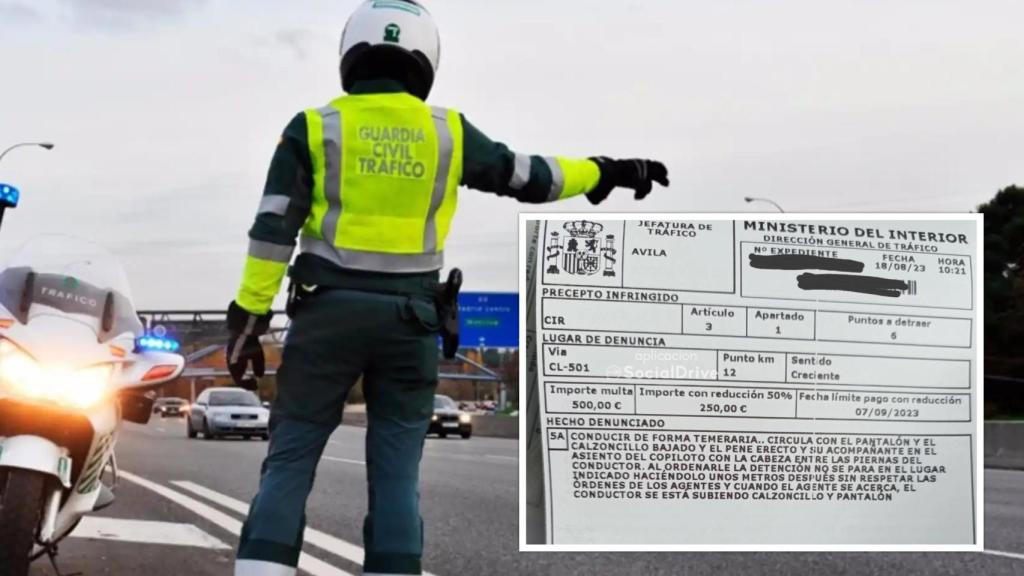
(369, 185)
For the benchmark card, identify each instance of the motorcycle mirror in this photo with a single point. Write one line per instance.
(108, 313)
(26, 297)
(135, 408)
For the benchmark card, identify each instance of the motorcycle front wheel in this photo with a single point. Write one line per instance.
(21, 508)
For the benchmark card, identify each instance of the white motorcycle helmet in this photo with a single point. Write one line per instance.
(391, 38)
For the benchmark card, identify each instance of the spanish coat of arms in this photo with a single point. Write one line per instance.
(581, 250)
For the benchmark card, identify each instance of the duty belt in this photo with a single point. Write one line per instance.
(445, 297)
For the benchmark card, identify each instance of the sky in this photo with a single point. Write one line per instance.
(165, 113)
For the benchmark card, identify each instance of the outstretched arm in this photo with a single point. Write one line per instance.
(491, 166)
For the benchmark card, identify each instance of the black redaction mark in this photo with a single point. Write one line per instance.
(804, 262)
(850, 283)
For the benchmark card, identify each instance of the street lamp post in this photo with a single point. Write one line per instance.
(10, 200)
(47, 145)
(750, 199)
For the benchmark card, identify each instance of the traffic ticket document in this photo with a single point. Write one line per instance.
(769, 381)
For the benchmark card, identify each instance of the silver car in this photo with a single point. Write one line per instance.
(228, 412)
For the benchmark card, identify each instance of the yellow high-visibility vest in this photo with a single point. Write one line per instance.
(386, 172)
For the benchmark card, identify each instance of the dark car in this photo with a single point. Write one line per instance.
(227, 412)
(165, 407)
(448, 418)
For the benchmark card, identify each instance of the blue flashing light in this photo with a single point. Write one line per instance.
(157, 343)
(9, 196)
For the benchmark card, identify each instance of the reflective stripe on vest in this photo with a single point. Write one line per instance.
(386, 170)
(377, 261)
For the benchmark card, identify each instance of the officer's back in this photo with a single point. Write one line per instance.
(366, 186)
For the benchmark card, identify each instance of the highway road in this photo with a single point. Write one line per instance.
(181, 503)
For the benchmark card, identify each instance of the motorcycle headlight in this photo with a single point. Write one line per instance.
(21, 375)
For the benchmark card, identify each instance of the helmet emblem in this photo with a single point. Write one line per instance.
(391, 33)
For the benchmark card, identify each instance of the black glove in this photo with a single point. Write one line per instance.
(635, 173)
(244, 345)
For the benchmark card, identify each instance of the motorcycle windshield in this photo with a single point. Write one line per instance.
(66, 276)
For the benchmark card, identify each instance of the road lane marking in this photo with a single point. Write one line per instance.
(509, 459)
(307, 563)
(337, 546)
(442, 456)
(433, 450)
(1013, 555)
(146, 532)
(360, 462)
(322, 540)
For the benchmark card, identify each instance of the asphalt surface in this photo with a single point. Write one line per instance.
(469, 506)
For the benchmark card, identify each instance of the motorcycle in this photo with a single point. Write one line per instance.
(74, 362)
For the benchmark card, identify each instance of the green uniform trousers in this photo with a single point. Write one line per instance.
(390, 339)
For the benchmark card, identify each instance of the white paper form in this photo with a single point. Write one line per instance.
(759, 381)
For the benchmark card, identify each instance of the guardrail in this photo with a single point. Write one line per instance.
(1004, 439)
(1004, 444)
(483, 424)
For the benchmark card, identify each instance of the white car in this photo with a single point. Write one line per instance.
(228, 412)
